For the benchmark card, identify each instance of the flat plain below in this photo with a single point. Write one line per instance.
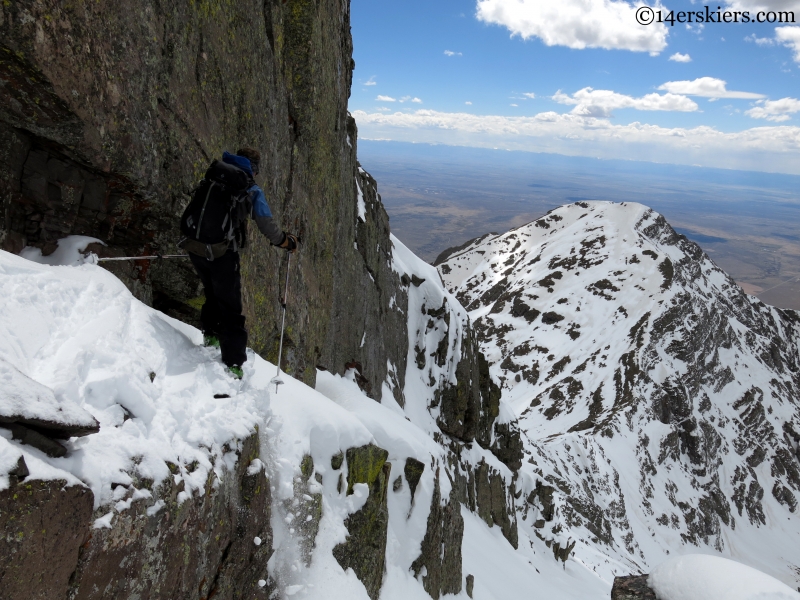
(441, 196)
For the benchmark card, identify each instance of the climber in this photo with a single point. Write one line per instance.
(214, 225)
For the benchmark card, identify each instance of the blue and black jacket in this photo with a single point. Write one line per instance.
(261, 213)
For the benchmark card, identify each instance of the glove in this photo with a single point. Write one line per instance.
(290, 242)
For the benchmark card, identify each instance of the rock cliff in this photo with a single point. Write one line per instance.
(111, 113)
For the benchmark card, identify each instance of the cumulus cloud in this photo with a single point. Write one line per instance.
(609, 24)
(789, 36)
(410, 99)
(382, 98)
(706, 87)
(529, 95)
(774, 148)
(468, 103)
(451, 53)
(775, 110)
(681, 58)
(600, 103)
(371, 81)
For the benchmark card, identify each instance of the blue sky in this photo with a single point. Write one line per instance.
(581, 77)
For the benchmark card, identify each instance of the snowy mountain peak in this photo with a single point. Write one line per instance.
(639, 370)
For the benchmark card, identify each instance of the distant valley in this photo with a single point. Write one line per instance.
(441, 196)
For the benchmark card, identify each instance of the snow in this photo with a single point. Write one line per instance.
(70, 251)
(362, 207)
(75, 344)
(25, 398)
(703, 577)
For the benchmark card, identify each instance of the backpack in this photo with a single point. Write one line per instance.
(219, 208)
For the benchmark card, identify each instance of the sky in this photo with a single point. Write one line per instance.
(582, 77)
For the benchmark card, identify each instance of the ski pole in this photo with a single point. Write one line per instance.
(277, 379)
(156, 257)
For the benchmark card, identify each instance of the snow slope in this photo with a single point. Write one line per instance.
(659, 402)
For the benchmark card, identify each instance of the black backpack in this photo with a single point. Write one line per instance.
(219, 207)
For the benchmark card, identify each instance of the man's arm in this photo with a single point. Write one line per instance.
(263, 217)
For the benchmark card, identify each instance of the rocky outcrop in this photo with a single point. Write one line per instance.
(439, 563)
(365, 548)
(633, 587)
(161, 544)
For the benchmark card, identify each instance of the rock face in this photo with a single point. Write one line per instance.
(365, 548)
(633, 587)
(441, 547)
(203, 545)
(111, 113)
(159, 547)
(43, 525)
(659, 401)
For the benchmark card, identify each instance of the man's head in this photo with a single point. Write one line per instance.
(254, 156)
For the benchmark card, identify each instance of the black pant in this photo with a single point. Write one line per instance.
(222, 312)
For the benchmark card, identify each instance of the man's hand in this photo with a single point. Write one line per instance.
(290, 242)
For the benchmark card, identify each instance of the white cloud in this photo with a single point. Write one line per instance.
(410, 99)
(681, 58)
(529, 95)
(609, 24)
(760, 41)
(514, 105)
(756, 5)
(371, 81)
(451, 53)
(468, 103)
(600, 103)
(774, 148)
(382, 98)
(789, 36)
(775, 110)
(706, 87)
